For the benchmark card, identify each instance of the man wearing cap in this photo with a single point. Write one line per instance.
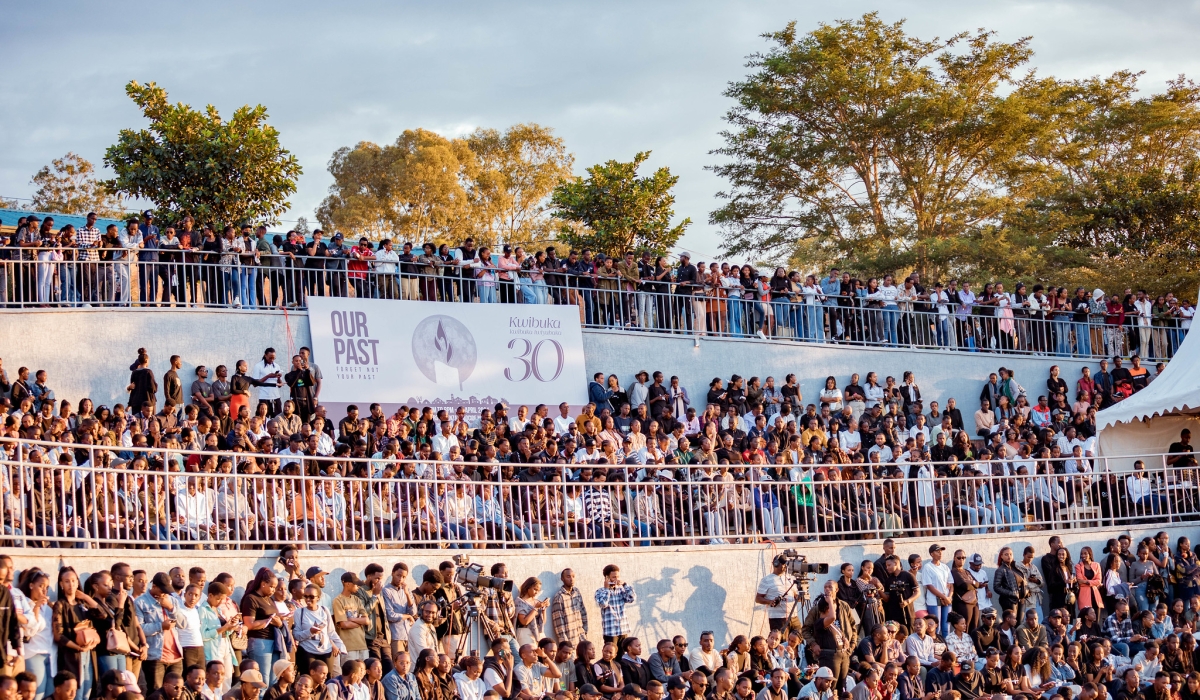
(351, 618)
(820, 687)
(316, 576)
(935, 581)
(975, 568)
(831, 631)
(632, 691)
(250, 686)
(590, 692)
(284, 673)
(155, 611)
(774, 591)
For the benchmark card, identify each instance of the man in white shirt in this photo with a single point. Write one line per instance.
(975, 567)
(194, 508)
(935, 580)
(774, 591)
(387, 264)
(563, 421)
(705, 656)
(443, 441)
(880, 447)
(423, 633)
(532, 668)
(517, 424)
(265, 371)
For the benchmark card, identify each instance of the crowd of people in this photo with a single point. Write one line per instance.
(1055, 624)
(186, 264)
(253, 458)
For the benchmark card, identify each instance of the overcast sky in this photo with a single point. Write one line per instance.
(611, 78)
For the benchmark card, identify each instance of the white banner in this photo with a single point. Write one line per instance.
(447, 354)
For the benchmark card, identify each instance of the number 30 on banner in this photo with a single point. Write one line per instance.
(529, 357)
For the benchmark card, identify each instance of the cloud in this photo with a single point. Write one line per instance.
(612, 79)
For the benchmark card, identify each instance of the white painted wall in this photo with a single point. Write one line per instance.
(87, 352)
(682, 590)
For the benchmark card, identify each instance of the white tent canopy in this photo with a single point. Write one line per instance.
(1150, 420)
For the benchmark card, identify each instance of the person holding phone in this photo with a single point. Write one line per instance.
(313, 630)
(612, 599)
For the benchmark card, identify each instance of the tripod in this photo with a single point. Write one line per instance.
(800, 583)
(472, 614)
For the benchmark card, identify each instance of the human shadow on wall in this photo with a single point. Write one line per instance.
(704, 610)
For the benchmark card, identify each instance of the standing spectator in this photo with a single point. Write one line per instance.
(612, 599)
(387, 265)
(351, 618)
(936, 580)
(148, 273)
(568, 616)
(269, 285)
(268, 377)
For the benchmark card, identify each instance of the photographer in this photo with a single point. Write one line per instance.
(774, 591)
(830, 631)
(900, 592)
(612, 599)
(499, 612)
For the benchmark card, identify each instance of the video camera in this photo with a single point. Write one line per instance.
(472, 577)
(796, 564)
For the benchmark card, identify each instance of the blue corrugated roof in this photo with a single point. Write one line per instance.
(8, 218)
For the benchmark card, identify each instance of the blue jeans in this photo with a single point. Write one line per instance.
(487, 295)
(734, 307)
(939, 613)
(87, 677)
(247, 282)
(942, 332)
(457, 532)
(1083, 339)
(39, 666)
(1062, 340)
(106, 662)
(891, 314)
(263, 651)
(162, 533)
(814, 323)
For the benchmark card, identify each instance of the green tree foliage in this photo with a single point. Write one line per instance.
(517, 170)
(613, 210)
(491, 185)
(68, 186)
(858, 141)
(412, 189)
(1122, 181)
(194, 162)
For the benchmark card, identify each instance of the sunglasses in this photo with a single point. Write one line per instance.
(310, 597)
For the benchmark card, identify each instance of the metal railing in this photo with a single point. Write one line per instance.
(604, 301)
(177, 498)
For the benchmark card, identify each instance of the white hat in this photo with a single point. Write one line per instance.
(824, 672)
(1097, 294)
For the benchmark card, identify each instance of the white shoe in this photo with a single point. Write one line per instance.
(762, 335)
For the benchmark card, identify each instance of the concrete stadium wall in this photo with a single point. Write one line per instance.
(682, 590)
(87, 352)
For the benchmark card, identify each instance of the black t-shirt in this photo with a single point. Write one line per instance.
(261, 608)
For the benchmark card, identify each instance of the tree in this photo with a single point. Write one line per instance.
(302, 226)
(68, 186)
(860, 142)
(412, 189)
(517, 171)
(1122, 183)
(613, 210)
(193, 162)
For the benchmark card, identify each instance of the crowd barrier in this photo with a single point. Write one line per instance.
(123, 497)
(661, 307)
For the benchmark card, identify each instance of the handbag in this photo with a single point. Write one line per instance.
(118, 641)
(1070, 598)
(86, 634)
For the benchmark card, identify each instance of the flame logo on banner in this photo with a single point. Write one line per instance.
(444, 350)
(441, 342)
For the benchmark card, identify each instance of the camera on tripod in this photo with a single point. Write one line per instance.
(471, 576)
(796, 564)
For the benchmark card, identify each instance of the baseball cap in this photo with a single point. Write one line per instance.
(588, 689)
(976, 558)
(824, 672)
(127, 679)
(351, 577)
(279, 667)
(314, 571)
(936, 548)
(676, 683)
(633, 689)
(253, 678)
